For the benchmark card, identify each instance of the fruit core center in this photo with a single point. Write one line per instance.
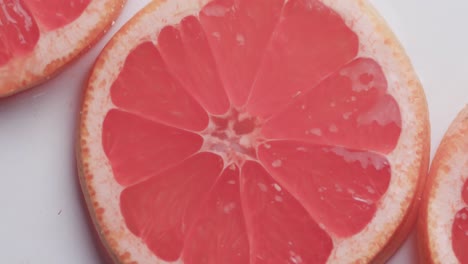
(234, 136)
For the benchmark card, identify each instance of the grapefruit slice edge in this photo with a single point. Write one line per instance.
(443, 211)
(58, 44)
(403, 86)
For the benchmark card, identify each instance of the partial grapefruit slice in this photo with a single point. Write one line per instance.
(443, 228)
(253, 131)
(39, 37)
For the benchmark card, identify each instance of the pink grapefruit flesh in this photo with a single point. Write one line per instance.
(53, 14)
(251, 131)
(21, 20)
(38, 37)
(18, 30)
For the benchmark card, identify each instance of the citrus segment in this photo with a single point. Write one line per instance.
(280, 230)
(18, 30)
(220, 226)
(339, 187)
(138, 148)
(188, 56)
(146, 88)
(350, 108)
(53, 14)
(309, 43)
(460, 235)
(162, 209)
(238, 32)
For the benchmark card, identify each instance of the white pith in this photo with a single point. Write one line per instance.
(54, 46)
(446, 195)
(361, 247)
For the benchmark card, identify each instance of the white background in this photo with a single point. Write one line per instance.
(42, 220)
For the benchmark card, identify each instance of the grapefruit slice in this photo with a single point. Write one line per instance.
(253, 131)
(443, 229)
(39, 37)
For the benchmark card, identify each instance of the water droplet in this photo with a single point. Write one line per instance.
(277, 187)
(338, 188)
(332, 104)
(314, 131)
(302, 149)
(464, 216)
(297, 94)
(278, 198)
(295, 258)
(277, 163)
(361, 199)
(333, 128)
(240, 39)
(229, 207)
(232, 182)
(370, 189)
(267, 146)
(303, 107)
(217, 35)
(262, 187)
(347, 115)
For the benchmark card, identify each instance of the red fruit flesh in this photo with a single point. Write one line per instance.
(460, 230)
(18, 30)
(280, 229)
(22, 21)
(54, 14)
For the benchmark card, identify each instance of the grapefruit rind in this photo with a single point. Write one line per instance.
(58, 47)
(409, 159)
(443, 198)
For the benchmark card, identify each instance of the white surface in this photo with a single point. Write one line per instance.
(41, 215)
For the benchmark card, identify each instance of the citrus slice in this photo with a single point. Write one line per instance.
(253, 131)
(39, 37)
(443, 229)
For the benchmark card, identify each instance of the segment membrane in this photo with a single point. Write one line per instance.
(238, 32)
(339, 187)
(219, 235)
(280, 230)
(138, 148)
(162, 209)
(188, 56)
(145, 87)
(350, 108)
(310, 42)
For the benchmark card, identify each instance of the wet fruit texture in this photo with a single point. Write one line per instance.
(252, 133)
(460, 229)
(22, 22)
